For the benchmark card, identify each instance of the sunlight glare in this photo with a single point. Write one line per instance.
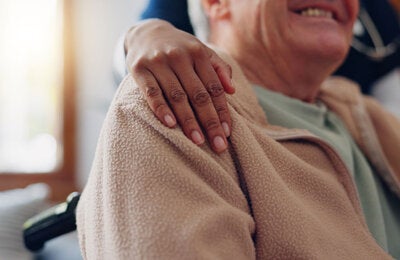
(30, 84)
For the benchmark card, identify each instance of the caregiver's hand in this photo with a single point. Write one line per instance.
(183, 80)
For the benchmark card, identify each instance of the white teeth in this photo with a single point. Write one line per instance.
(315, 12)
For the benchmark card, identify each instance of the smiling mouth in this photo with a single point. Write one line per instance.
(316, 12)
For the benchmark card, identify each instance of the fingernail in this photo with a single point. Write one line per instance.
(169, 120)
(196, 137)
(219, 143)
(225, 126)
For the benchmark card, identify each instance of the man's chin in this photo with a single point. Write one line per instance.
(329, 53)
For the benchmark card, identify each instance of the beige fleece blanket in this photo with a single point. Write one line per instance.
(276, 194)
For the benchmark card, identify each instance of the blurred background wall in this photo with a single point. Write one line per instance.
(98, 24)
(56, 84)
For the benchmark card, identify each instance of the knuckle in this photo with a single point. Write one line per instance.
(174, 53)
(215, 89)
(197, 50)
(138, 66)
(201, 98)
(152, 91)
(221, 110)
(211, 124)
(157, 57)
(177, 96)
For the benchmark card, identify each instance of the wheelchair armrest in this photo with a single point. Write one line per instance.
(51, 223)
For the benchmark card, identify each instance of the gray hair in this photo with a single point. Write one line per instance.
(199, 20)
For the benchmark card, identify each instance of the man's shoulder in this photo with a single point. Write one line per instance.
(128, 93)
(129, 114)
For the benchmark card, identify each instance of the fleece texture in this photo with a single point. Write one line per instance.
(275, 194)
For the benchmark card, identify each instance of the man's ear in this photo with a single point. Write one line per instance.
(217, 9)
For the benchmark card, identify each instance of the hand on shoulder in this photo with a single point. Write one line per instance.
(183, 81)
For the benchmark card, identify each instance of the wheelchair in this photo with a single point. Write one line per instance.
(51, 223)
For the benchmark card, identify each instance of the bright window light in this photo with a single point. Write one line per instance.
(30, 85)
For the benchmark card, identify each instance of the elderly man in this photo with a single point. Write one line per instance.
(318, 178)
(374, 52)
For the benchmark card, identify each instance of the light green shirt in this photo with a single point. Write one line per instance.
(380, 206)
